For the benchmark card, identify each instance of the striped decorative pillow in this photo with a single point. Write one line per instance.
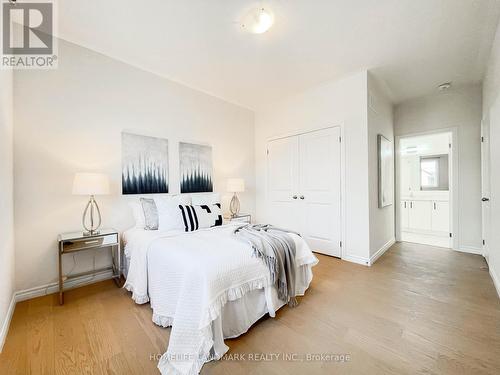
(202, 216)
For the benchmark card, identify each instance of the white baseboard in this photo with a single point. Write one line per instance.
(496, 280)
(356, 259)
(381, 251)
(23, 295)
(427, 239)
(6, 322)
(43, 290)
(470, 250)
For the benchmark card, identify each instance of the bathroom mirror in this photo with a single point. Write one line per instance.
(434, 172)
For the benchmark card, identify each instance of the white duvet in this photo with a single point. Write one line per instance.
(196, 274)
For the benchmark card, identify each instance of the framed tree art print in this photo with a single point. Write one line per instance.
(144, 164)
(195, 168)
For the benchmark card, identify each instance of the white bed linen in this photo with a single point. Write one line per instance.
(190, 278)
(239, 315)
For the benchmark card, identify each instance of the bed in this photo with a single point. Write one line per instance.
(206, 285)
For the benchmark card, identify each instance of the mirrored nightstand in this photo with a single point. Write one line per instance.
(240, 218)
(70, 243)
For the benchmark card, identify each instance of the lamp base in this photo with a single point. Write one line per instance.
(91, 233)
(234, 206)
(88, 218)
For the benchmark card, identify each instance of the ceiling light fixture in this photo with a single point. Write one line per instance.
(258, 21)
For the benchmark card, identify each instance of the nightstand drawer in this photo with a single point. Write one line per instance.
(88, 243)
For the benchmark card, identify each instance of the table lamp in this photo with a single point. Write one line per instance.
(91, 184)
(235, 185)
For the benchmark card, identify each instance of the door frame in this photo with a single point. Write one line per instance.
(342, 173)
(454, 182)
(486, 229)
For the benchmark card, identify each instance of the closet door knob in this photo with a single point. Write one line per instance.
(294, 197)
(302, 197)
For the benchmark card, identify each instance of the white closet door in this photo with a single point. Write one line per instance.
(319, 190)
(485, 185)
(283, 169)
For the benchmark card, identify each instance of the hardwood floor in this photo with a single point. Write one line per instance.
(417, 310)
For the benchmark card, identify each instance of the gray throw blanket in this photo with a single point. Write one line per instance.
(277, 249)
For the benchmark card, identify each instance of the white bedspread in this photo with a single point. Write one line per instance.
(201, 271)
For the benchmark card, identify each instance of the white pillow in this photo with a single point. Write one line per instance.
(168, 211)
(138, 213)
(205, 198)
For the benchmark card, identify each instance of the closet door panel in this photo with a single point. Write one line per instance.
(316, 229)
(283, 169)
(320, 190)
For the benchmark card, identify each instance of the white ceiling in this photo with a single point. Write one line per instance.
(413, 45)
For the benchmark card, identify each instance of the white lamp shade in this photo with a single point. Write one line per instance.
(90, 184)
(236, 185)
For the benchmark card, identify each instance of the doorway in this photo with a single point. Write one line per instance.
(424, 189)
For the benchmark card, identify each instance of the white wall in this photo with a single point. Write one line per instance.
(380, 121)
(491, 107)
(460, 108)
(6, 202)
(70, 119)
(339, 103)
